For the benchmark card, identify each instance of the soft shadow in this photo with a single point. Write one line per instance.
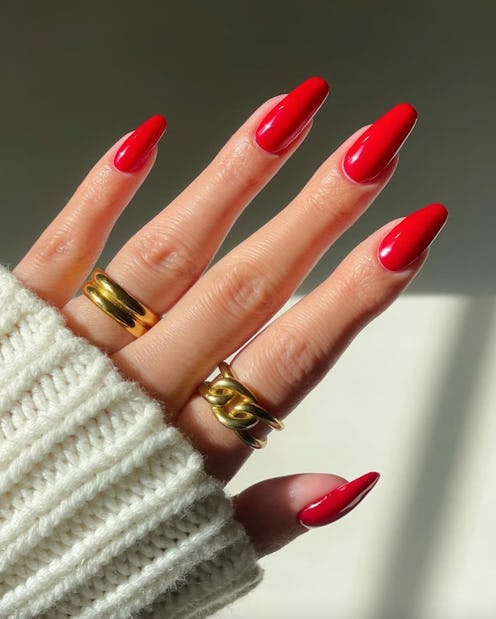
(405, 581)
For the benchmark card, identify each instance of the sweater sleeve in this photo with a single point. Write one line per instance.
(105, 509)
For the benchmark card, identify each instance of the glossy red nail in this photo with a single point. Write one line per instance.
(289, 117)
(378, 144)
(338, 502)
(411, 237)
(134, 152)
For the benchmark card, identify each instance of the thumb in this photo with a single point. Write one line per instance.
(276, 511)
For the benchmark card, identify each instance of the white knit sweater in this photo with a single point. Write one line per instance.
(105, 510)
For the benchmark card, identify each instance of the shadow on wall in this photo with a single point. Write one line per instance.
(405, 578)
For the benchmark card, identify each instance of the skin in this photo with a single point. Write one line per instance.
(162, 265)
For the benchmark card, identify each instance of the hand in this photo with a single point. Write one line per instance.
(209, 314)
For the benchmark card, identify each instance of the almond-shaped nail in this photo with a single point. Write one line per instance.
(338, 502)
(379, 144)
(411, 237)
(288, 118)
(134, 152)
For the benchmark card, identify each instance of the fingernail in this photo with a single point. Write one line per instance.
(378, 144)
(338, 502)
(289, 117)
(133, 153)
(411, 237)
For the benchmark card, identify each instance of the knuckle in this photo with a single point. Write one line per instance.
(300, 361)
(235, 166)
(244, 290)
(96, 190)
(359, 284)
(162, 252)
(60, 243)
(329, 199)
(322, 190)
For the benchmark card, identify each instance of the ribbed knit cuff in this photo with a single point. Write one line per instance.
(105, 510)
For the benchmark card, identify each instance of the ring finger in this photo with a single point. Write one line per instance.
(240, 293)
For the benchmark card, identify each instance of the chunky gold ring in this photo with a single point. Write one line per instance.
(236, 407)
(106, 294)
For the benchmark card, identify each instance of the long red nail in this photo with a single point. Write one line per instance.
(411, 237)
(338, 502)
(378, 144)
(289, 117)
(133, 153)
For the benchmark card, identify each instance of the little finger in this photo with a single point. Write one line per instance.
(240, 293)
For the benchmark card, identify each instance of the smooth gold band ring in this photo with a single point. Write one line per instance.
(236, 407)
(106, 294)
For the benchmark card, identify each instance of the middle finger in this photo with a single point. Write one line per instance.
(243, 290)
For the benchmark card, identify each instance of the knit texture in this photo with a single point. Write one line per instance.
(105, 510)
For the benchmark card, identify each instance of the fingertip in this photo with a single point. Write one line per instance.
(375, 148)
(136, 149)
(411, 237)
(288, 118)
(269, 510)
(338, 502)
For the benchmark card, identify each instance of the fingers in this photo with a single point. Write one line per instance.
(163, 259)
(276, 511)
(243, 290)
(59, 261)
(287, 359)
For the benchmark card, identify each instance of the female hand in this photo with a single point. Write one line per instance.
(209, 314)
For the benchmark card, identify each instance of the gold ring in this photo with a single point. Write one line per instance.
(236, 407)
(106, 294)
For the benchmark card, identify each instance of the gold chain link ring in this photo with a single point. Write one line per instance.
(106, 294)
(236, 407)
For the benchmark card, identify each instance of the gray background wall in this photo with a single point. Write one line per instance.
(416, 404)
(76, 76)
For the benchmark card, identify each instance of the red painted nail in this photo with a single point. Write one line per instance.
(338, 502)
(411, 237)
(289, 117)
(378, 144)
(133, 153)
